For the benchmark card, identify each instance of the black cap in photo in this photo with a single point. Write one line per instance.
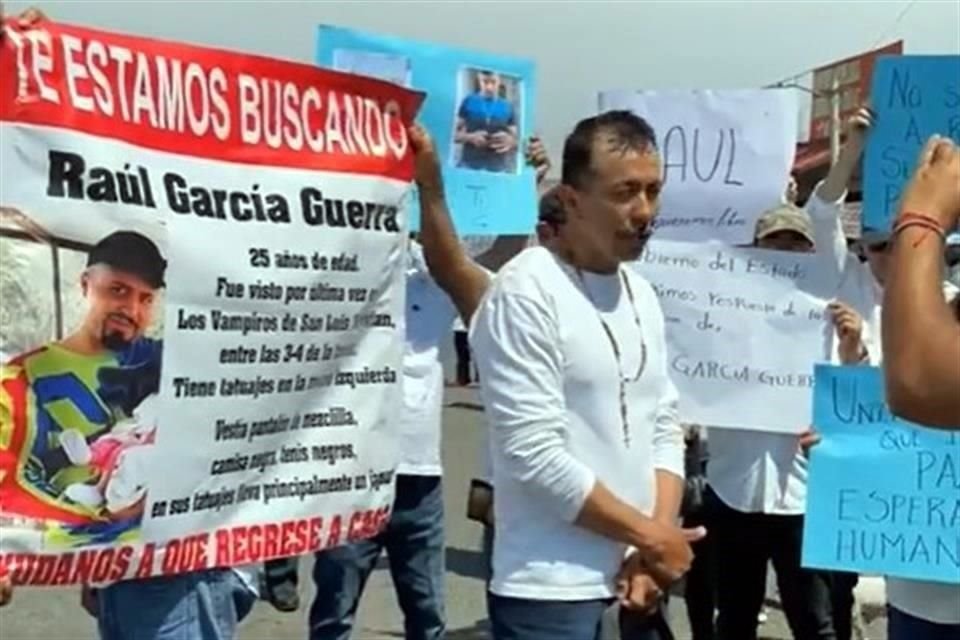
(131, 252)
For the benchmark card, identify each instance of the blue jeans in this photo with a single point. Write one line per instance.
(520, 619)
(903, 626)
(203, 605)
(413, 540)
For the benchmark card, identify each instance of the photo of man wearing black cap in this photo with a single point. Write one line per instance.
(58, 401)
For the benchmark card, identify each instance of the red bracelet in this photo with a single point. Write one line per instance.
(909, 219)
(912, 215)
(926, 224)
(906, 224)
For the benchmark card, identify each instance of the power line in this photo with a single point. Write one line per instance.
(883, 35)
(903, 12)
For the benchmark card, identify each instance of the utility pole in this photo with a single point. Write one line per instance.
(835, 123)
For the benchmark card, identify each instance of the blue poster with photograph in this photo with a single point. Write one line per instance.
(913, 97)
(478, 109)
(883, 494)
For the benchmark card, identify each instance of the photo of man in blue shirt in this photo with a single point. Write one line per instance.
(487, 126)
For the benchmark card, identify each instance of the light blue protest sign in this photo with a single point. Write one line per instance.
(883, 494)
(478, 110)
(913, 97)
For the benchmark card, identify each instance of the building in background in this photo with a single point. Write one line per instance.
(849, 79)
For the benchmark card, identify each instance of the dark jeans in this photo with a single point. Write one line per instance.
(462, 346)
(841, 585)
(413, 541)
(745, 543)
(520, 619)
(700, 584)
(903, 626)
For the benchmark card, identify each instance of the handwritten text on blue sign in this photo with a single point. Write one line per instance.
(884, 495)
(914, 97)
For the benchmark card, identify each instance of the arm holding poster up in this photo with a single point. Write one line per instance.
(825, 203)
(834, 186)
(921, 334)
(848, 325)
(463, 279)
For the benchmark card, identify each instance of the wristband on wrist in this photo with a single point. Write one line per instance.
(910, 219)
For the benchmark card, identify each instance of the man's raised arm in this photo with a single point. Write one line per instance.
(825, 203)
(462, 278)
(921, 333)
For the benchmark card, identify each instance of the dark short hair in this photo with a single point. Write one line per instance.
(131, 252)
(551, 208)
(630, 131)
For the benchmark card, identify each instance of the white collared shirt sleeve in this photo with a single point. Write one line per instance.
(516, 340)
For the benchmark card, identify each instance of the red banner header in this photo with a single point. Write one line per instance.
(204, 102)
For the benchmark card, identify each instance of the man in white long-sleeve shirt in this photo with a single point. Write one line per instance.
(587, 451)
(758, 481)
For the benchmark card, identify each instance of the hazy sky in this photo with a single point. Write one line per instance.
(579, 47)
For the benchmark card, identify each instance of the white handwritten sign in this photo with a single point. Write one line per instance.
(726, 156)
(745, 328)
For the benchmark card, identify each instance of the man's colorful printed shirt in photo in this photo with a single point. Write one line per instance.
(44, 393)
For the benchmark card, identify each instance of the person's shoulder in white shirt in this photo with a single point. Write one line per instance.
(525, 274)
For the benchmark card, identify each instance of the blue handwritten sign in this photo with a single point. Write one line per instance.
(884, 495)
(478, 110)
(914, 97)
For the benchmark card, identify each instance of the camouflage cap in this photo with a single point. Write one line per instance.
(785, 217)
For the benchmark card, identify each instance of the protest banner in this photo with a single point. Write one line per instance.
(884, 494)
(237, 218)
(914, 97)
(744, 329)
(726, 157)
(478, 109)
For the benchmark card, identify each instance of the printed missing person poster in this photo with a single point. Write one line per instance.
(202, 305)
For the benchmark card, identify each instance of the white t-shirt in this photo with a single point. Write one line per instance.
(933, 601)
(551, 389)
(429, 317)
(757, 472)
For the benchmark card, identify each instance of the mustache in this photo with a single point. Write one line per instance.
(642, 234)
(123, 318)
